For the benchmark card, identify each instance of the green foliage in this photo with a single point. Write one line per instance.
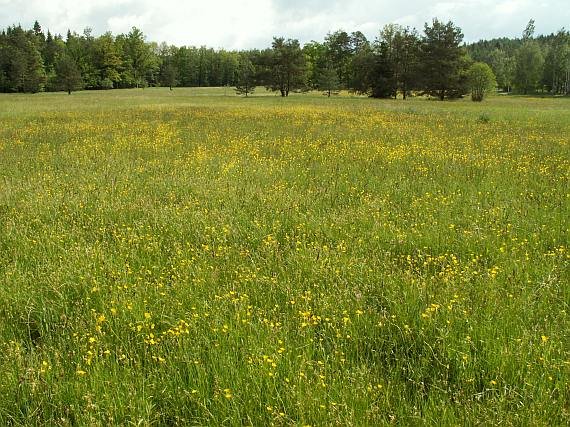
(168, 68)
(442, 61)
(139, 61)
(338, 52)
(481, 80)
(245, 77)
(398, 62)
(285, 66)
(556, 76)
(503, 66)
(107, 60)
(21, 64)
(327, 79)
(528, 71)
(68, 76)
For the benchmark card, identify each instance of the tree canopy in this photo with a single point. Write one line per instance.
(399, 62)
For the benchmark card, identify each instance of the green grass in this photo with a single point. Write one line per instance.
(185, 257)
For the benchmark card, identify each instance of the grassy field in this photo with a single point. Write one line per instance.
(185, 257)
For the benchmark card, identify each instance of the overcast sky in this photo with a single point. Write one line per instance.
(236, 24)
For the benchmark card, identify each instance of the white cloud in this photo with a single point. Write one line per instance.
(253, 23)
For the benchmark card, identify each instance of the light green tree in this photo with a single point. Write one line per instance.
(529, 62)
(245, 77)
(481, 80)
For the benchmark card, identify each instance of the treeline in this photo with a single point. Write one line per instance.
(528, 64)
(399, 61)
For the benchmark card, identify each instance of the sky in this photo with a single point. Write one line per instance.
(244, 24)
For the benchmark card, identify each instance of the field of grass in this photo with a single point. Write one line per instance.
(185, 257)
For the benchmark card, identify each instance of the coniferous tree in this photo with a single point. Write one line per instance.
(24, 68)
(442, 60)
(383, 81)
(168, 69)
(68, 75)
(285, 66)
(327, 79)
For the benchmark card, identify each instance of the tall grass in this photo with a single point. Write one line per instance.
(172, 259)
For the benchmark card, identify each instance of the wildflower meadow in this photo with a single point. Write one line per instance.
(191, 257)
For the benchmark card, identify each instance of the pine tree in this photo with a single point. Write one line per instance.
(443, 60)
(24, 68)
(285, 65)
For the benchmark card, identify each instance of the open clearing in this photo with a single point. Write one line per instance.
(191, 258)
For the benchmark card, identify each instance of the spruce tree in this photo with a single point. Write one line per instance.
(68, 76)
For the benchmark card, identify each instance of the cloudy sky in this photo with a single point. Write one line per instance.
(236, 24)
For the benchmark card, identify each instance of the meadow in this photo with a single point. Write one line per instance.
(196, 258)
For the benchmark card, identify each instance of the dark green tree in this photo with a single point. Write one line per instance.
(22, 63)
(363, 69)
(528, 71)
(327, 79)
(68, 75)
(168, 68)
(502, 65)
(285, 66)
(442, 61)
(383, 79)
(405, 51)
(361, 54)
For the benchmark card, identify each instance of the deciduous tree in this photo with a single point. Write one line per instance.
(481, 80)
(245, 76)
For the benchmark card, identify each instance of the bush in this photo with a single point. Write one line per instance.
(107, 84)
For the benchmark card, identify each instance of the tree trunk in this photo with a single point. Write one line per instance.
(69, 91)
